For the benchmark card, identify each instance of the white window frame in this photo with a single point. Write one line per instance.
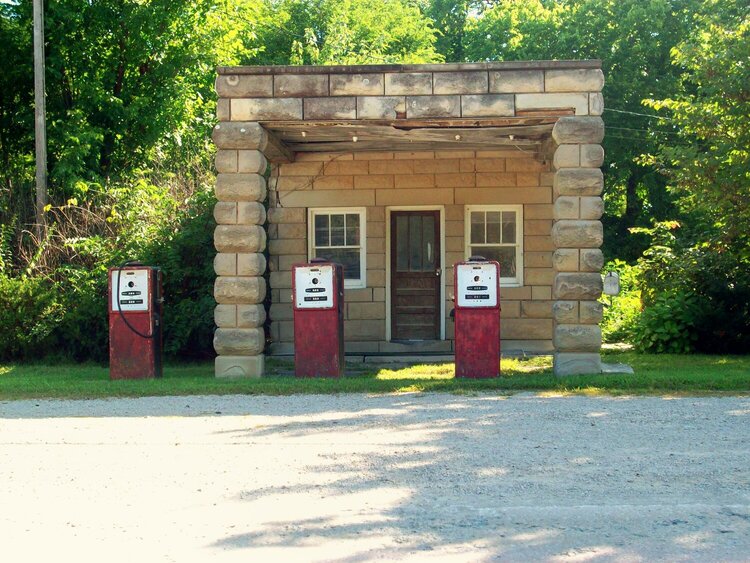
(516, 281)
(361, 283)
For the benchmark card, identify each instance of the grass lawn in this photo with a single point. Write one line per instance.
(654, 374)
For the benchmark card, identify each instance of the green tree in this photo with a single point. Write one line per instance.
(708, 160)
(345, 32)
(633, 39)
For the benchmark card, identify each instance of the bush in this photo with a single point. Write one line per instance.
(57, 306)
(621, 312)
(668, 324)
(183, 249)
(30, 313)
(699, 291)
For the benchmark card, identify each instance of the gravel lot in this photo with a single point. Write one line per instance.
(355, 478)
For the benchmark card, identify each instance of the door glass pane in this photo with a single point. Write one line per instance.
(505, 255)
(402, 243)
(477, 227)
(352, 229)
(337, 230)
(493, 227)
(321, 230)
(509, 227)
(428, 243)
(415, 243)
(349, 258)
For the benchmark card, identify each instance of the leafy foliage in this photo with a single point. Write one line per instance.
(621, 312)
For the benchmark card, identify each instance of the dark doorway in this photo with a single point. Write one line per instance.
(415, 275)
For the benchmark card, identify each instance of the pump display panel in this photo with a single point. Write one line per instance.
(134, 290)
(313, 287)
(476, 285)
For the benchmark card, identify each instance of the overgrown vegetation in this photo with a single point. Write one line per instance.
(131, 104)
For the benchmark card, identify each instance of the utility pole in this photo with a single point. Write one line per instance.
(40, 128)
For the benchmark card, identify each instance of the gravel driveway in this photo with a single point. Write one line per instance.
(355, 478)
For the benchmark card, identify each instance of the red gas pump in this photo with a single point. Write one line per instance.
(476, 286)
(135, 327)
(318, 302)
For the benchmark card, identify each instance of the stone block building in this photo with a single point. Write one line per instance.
(398, 172)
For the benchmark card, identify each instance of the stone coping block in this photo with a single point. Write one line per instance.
(300, 85)
(400, 68)
(240, 238)
(433, 106)
(579, 101)
(243, 213)
(240, 187)
(576, 363)
(577, 338)
(240, 290)
(578, 286)
(330, 108)
(412, 84)
(578, 130)
(239, 341)
(576, 233)
(244, 86)
(592, 156)
(235, 367)
(592, 260)
(591, 312)
(487, 105)
(266, 109)
(381, 107)
(573, 80)
(467, 82)
(565, 312)
(239, 264)
(241, 135)
(371, 84)
(516, 81)
(578, 182)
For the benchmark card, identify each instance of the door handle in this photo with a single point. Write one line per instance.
(438, 272)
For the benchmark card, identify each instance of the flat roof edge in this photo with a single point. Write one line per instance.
(443, 67)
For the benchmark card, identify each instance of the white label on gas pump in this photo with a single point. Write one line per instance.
(313, 286)
(476, 285)
(134, 290)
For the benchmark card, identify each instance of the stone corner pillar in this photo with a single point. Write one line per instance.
(240, 240)
(577, 234)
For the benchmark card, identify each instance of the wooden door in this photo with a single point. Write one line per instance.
(415, 275)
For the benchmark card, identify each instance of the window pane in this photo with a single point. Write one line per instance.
(337, 230)
(509, 227)
(352, 229)
(415, 243)
(347, 257)
(506, 255)
(402, 243)
(321, 230)
(477, 227)
(428, 244)
(493, 227)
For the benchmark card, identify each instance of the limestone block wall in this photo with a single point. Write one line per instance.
(408, 91)
(379, 180)
(577, 235)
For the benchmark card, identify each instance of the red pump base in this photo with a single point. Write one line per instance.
(318, 343)
(477, 343)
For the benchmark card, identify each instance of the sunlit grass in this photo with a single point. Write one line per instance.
(654, 374)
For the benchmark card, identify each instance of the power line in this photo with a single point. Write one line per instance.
(643, 130)
(639, 114)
